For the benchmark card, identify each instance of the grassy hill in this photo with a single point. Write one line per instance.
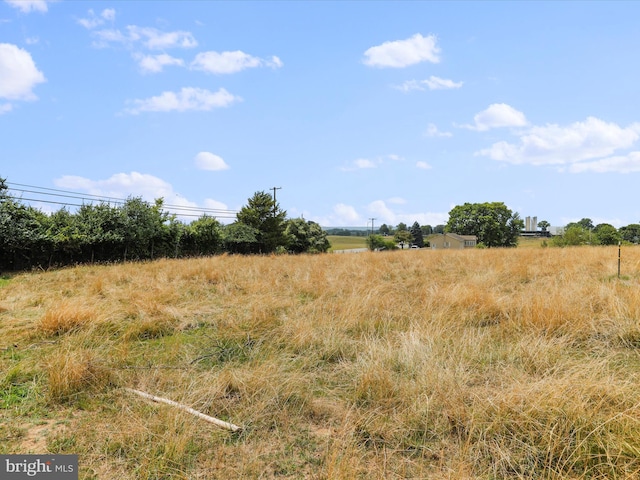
(519, 363)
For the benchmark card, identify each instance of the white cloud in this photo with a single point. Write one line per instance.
(150, 38)
(155, 39)
(384, 214)
(432, 131)
(121, 185)
(558, 145)
(432, 83)
(341, 216)
(215, 205)
(497, 115)
(437, 83)
(345, 215)
(149, 187)
(402, 53)
(620, 164)
(364, 163)
(18, 73)
(394, 157)
(93, 20)
(210, 161)
(5, 108)
(231, 62)
(156, 63)
(397, 200)
(423, 165)
(108, 14)
(28, 6)
(187, 99)
(359, 164)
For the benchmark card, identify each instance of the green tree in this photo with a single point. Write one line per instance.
(573, 235)
(384, 229)
(630, 233)
(543, 225)
(266, 217)
(103, 229)
(240, 238)
(586, 223)
(401, 227)
(492, 223)
(416, 232)
(403, 237)
(142, 228)
(202, 237)
(606, 234)
(439, 229)
(375, 242)
(305, 236)
(426, 230)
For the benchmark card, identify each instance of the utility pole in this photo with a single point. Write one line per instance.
(274, 198)
(372, 219)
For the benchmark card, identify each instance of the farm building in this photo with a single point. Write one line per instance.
(452, 241)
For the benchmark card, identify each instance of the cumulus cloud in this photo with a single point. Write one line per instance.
(231, 62)
(432, 131)
(149, 187)
(120, 185)
(210, 161)
(5, 108)
(423, 165)
(402, 53)
(28, 6)
(497, 115)
(384, 214)
(431, 83)
(18, 74)
(342, 215)
(552, 144)
(156, 63)
(187, 99)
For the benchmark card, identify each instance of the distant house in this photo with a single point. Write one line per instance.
(454, 241)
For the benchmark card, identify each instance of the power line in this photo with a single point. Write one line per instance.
(178, 209)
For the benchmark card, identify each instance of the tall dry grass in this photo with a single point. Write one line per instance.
(421, 364)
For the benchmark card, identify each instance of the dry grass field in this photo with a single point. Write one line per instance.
(480, 364)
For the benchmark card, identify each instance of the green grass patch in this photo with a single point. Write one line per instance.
(339, 242)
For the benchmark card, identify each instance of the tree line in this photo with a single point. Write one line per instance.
(584, 232)
(140, 230)
(495, 225)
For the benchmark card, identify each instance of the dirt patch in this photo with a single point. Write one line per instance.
(36, 436)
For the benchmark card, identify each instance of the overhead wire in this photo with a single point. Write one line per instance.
(180, 210)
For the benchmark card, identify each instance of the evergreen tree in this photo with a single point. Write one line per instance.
(416, 231)
(266, 217)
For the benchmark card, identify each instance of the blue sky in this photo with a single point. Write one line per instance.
(396, 111)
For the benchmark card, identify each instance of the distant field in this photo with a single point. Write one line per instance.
(345, 243)
(472, 364)
(532, 242)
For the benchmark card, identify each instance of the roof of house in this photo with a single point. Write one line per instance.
(457, 237)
